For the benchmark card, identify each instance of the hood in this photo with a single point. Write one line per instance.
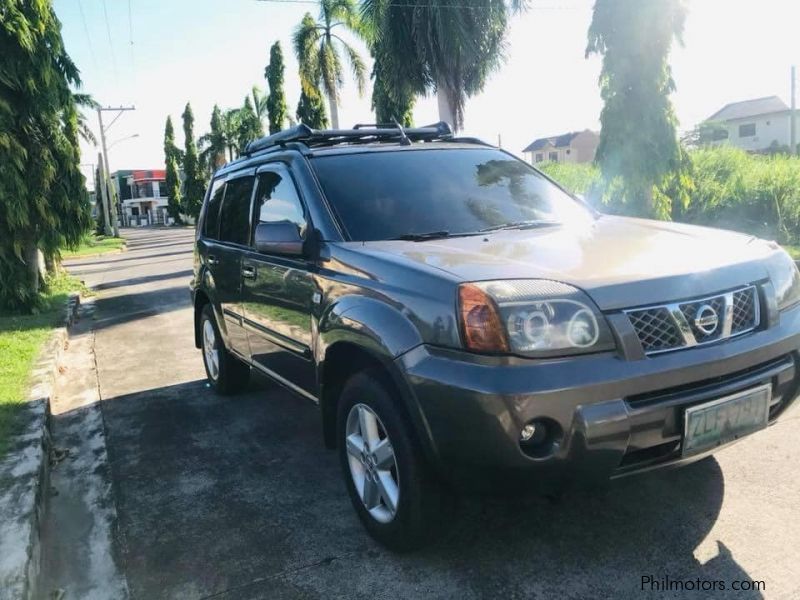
(621, 262)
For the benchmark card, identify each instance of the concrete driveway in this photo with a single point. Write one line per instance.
(237, 498)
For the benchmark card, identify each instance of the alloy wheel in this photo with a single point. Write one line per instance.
(372, 462)
(210, 350)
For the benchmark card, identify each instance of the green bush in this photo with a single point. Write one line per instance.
(726, 188)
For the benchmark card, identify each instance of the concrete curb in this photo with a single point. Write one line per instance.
(24, 473)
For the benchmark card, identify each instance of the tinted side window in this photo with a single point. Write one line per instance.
(234, 222)
(277, 200)
(211, 220)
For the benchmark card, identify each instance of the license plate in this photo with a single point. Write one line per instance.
(724, 420)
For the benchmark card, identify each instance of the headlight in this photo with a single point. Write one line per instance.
(786, 280)
(533, 317)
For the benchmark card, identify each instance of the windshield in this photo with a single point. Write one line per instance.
(392, 194)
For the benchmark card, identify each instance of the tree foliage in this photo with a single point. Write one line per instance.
(84, 131)
(311, 109)
(250, 127)
(638, 139)
(215, 142)
(276, 101)
(260, 103)
(173, 182)
(230, 126)
(427, 45)
(391, 103)
(43, 200)
(319, 49)
(193, 185)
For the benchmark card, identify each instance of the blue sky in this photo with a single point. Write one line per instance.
(214, 52)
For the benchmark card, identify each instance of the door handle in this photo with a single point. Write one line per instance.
(249, 272)
(212, 260)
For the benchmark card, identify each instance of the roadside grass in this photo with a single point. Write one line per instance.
(21, 339)
(95, 244)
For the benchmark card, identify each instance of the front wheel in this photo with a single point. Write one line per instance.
(226, 373)
(398, 501)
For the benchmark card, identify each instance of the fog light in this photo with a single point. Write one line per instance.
(528, 432)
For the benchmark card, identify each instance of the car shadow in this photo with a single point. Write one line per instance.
(108, 285)
(237, 496)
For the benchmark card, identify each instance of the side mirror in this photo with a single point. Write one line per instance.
(282, 237)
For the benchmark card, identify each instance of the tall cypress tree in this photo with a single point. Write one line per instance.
(276, 102)
(390, 104)
(638, 139)
(193, 186)
(43, 200)
(311, 109)
(173, 181)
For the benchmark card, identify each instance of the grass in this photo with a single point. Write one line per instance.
(21, 339)
(95, 244)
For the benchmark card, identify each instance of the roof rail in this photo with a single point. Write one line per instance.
(361, 133)
(293, 134)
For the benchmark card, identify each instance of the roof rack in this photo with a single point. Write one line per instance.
(362, 133)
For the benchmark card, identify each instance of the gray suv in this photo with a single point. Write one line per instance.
(464, 323)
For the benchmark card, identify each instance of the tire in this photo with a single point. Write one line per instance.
(371, 478)
(226, 373)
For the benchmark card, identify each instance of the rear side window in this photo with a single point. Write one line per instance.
(234, 221)
(277, 200)
(211, 220)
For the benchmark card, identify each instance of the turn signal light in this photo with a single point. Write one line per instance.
(480, 321)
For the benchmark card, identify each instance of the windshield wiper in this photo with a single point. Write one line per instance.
(522, 225)
(419, 237)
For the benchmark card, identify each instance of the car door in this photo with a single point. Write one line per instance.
(233, 240)
(278, 289)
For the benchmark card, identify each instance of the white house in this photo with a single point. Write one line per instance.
(575, 147)
(753, 125)
(143, 196)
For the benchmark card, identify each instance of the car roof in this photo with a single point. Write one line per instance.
(394, 147)
(249, 161)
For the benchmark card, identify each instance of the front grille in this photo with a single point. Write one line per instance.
(695, 322)
(744, 310)
(656, 329)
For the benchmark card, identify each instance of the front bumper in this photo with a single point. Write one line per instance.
(612, 416)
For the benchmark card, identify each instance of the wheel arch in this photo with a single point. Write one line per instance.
(345, 358)
(201, 298)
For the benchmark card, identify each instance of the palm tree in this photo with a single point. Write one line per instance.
(230, 128)
(250, 127)
(427, 45)
(319, 48)
(260, 101)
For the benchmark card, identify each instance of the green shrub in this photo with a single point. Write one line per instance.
(723, 187)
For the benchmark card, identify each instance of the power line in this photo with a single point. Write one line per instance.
(86, 31)
(110, 43)
(455, 5)
(130, 40)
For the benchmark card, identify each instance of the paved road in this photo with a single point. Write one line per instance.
(237, 498)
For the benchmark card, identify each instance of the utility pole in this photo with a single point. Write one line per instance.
(103, 183)
(108, 197)
(793, 149)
